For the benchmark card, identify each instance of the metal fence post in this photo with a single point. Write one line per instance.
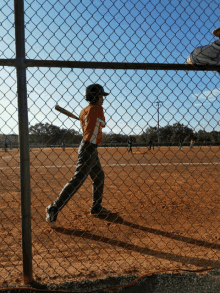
(24, 141)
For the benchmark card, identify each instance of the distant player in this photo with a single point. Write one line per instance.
(92, 121)
(192, 143)
(207, 55)
(181, 143)
(6, 145)
(130, 141)
(63, 146)
(151, 144)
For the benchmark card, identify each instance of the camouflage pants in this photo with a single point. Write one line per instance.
(88, 164)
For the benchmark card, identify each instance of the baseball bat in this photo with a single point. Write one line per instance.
(65, 112)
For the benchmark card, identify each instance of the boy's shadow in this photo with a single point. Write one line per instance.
(117, 219)
(193, 260)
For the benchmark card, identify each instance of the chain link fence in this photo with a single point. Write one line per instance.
(160, 149)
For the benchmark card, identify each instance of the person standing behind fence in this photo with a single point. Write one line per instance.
(130, 141)
(92, 121)
(207, 55)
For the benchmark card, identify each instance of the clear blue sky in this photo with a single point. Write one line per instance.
(113, 31)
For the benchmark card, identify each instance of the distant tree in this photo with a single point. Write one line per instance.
(50, 134)
(180, 132)
(215, 136)
(150, 134)
(38, 133)
(203, 136)
(166, 133)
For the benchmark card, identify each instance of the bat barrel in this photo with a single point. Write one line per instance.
(65, 112)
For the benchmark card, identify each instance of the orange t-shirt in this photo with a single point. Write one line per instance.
(92, 121)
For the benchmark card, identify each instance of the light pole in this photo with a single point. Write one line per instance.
(158, 121)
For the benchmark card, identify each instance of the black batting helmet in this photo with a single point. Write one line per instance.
(92, 93)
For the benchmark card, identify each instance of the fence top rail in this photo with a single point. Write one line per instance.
(107, 65)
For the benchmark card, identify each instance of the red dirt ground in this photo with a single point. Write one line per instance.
(167, 205)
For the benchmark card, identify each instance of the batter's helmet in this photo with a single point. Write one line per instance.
(92, 93)
(216, 32)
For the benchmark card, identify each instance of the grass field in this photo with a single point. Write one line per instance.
(167, 205)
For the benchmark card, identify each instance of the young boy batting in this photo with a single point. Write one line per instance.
(92, 121)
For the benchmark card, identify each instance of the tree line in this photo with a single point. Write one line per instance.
(49, 134)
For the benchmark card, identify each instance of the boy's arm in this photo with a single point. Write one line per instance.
(103, 124)
(101, 117)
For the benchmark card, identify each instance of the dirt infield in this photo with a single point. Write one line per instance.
(167, 205)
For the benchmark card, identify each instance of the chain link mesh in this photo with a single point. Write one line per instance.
(10, 222)
(162, 189)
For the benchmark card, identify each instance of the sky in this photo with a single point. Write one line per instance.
(113, 31)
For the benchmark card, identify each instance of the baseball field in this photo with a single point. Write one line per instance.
(166, 213)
